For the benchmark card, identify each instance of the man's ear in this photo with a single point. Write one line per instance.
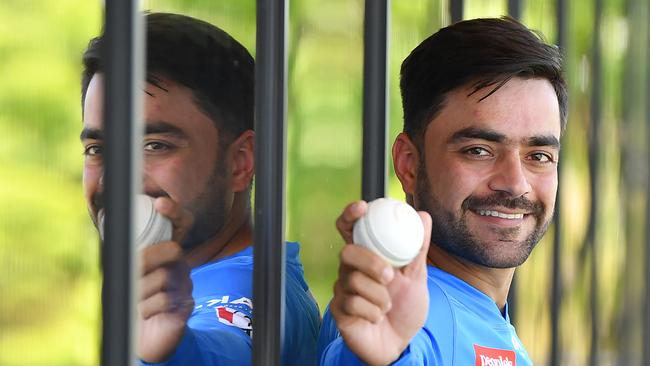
(406, 160)
(242, 161)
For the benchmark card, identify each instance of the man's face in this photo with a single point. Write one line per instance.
(181, 158)
(489, 176)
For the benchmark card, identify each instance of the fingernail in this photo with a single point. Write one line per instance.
(387, 274)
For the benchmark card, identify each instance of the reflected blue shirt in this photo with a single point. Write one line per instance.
(464, 327)
(219, 331)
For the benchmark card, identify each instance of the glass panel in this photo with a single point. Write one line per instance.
(194, 227)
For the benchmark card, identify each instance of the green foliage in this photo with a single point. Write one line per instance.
(48, 254)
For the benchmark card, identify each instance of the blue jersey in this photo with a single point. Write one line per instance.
(219, 331)
(464, 327)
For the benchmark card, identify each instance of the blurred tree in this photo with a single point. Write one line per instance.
(48, 254)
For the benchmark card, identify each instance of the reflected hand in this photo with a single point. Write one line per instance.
(165, 294)
(378, 309)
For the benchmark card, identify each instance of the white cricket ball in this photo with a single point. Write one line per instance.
(150, 226)
(392, 229)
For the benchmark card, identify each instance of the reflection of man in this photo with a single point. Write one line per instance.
(196, 290)
(484, 106)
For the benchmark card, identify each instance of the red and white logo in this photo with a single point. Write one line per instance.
(235, 318)
(486, 356)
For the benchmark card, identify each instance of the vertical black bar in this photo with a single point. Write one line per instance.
(270, 129)
(512, 300)
(375, 39)
(122, 135)
(556, 273)
(594, 169)
(514, 8)
(456, 10)
(646, 305)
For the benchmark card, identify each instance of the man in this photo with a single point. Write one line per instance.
(195, 303)
(484, 106)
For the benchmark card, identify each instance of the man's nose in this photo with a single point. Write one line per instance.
(510, 177)
(100, 186)
(147, 182)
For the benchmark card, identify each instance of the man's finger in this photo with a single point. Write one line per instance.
(348, 217)
(159, 255)
(159, 303)
(174, 277)
(357, 283)
(419, 262)
(164, 302)
(155, 281)
(358, 307)
(358, 258)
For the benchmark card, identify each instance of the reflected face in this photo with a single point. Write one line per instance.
(489, 177)
(181, 155)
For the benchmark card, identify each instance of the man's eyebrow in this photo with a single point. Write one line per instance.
(91, 134)
(156, 82)
(477, 133)
(547, 140)
(158, 127)
(165, 128)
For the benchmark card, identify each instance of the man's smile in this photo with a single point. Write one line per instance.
(501, 216)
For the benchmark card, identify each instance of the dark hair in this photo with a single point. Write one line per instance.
(218, 69)
(484, 52)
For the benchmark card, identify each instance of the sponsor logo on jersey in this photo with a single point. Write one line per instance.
(486, 356)
(234, 318)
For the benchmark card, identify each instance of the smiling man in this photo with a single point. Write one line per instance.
(484, 107)
(195, 301)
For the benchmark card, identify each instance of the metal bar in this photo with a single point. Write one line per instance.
(512, 300)
(556, 273)
(646, 305)
(456, 10)
(514, 8)
(123, 133)
(594, 169)
(375, 95)
(270, 150)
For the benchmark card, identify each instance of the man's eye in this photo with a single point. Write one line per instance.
(92, 150)
(154, 146)
(477, 151)
(541, 157)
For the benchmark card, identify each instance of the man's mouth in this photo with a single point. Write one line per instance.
(499, 214)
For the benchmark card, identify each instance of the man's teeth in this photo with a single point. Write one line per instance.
(501, 214)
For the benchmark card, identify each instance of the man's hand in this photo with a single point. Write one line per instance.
(378, 309)
(165, 291)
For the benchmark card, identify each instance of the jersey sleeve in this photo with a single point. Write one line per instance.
(209, 347)
(301, 319)
(420, 351)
